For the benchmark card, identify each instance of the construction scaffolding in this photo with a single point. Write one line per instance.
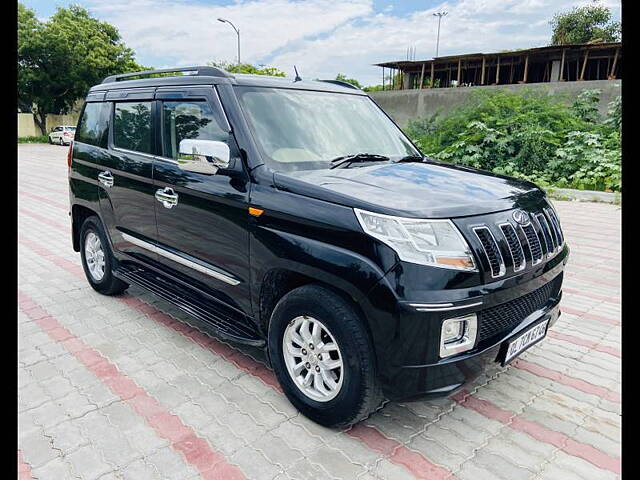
(555, 63)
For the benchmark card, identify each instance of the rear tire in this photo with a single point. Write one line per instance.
(97, 259)
(358, 393)
(50, 141)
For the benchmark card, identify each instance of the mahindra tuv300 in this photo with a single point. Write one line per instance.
(296, 217)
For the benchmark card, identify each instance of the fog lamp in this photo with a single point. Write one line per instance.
(458, 334)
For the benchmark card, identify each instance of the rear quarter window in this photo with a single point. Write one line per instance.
(93, 127)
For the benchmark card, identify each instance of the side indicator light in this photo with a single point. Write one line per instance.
(255, 212)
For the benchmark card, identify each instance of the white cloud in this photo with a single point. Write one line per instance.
(324, 37)
(189, 33)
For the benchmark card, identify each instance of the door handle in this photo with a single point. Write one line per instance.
(167, 197)
(106, 178)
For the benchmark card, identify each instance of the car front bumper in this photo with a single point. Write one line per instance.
(409, 363)
(450, 374)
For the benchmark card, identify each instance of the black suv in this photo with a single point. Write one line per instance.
(296, 217)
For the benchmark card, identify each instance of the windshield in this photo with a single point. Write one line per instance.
(305, 130)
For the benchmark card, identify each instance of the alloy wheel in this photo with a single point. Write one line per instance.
(94, 256)
(313, 358)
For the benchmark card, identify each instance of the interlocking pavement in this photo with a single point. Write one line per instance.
(130, 387)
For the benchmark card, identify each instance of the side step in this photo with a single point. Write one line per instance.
(193, 303)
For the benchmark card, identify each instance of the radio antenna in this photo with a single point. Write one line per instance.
(297, 79)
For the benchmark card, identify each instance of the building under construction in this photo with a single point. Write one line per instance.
(555, 63)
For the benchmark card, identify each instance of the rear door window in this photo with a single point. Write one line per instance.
(93, 127)
(132, 126)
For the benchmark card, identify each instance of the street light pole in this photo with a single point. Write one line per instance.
(439, 15)
(237, 30)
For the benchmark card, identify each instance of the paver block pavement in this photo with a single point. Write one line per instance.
(170, 401)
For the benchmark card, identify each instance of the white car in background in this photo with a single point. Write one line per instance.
(62, 135)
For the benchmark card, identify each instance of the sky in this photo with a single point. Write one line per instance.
(321, 37)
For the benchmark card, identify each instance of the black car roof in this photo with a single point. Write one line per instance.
(213, 76)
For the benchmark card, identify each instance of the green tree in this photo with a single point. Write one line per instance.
(60, 59)
(343, 78)
(584, 24)
(249, 68)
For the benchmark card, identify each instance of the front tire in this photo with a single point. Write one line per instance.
(97, 259)
(323, 357)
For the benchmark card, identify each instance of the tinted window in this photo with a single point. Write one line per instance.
(185, 119)
(132, 126)
(94, 124)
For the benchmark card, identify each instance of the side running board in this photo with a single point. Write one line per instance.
(193, 303)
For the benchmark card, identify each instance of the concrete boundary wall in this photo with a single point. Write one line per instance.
(405, 105)
(27, 127)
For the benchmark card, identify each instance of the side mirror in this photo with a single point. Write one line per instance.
(203, 156)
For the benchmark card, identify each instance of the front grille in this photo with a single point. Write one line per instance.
(491, 250)
(510, 242)
(505, 317)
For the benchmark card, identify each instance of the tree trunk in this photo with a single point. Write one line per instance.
(41, 120)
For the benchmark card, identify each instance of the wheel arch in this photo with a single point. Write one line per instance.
(79, 213)
(279, 281)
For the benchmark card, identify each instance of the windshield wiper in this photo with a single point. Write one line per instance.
(411, 158)
(358, 157)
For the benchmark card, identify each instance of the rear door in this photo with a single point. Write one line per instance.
(126, 181)
(204, 236)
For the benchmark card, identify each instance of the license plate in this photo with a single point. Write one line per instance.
(525, 340)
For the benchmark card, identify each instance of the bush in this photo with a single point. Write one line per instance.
(529, 135)
(38, 139)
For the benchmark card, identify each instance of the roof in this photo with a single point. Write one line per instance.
(213, 76)
(547, 48)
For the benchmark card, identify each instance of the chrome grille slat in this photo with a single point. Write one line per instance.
(549, 238)
(535, 246)
(556, 226)
(491, 250)
(554, 234)
(515, 246)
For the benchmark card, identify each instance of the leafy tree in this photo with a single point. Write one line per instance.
(584, 24)
(249, 68)
(58, 60)
(343, 78)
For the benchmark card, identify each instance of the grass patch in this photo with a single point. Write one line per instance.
(38, 139)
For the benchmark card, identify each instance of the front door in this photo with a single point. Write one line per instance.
(126, 181)
(202, 235)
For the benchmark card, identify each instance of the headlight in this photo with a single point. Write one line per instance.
(425, 242)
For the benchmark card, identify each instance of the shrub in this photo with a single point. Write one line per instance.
(37, 139)
(529, 135)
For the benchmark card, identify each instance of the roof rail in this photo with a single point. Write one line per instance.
(199, 71)
(341, 83)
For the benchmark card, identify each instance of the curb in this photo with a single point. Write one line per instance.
(585, 195)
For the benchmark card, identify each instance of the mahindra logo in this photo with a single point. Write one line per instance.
(521, 217)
